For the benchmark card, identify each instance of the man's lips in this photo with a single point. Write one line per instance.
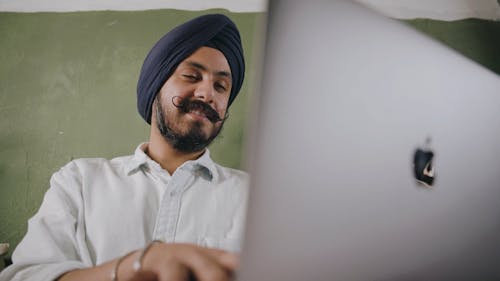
(197, 114)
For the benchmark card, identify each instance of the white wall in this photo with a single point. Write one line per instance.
(437, 9)
(403, 9)
(129, 5)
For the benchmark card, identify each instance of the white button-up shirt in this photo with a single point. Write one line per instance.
(96, 210)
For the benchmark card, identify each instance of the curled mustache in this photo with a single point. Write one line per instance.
(185, 105)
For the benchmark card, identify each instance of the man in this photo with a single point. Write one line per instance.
(168, 212)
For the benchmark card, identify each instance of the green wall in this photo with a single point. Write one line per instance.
(475, 38)
(67, 90)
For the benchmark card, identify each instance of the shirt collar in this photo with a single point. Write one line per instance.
(204, 166)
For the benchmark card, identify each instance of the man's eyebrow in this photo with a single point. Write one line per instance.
(204, 68)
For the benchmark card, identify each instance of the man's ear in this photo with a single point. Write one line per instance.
(153, 111)
(154, 108)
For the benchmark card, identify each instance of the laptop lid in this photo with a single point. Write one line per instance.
(375, 153)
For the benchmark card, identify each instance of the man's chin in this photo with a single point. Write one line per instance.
(203, 126)
(199, 131)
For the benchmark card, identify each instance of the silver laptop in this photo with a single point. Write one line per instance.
(375, 156)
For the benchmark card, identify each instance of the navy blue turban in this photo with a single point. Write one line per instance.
(215, 31)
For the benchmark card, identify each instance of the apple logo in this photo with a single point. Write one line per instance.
(423, 166)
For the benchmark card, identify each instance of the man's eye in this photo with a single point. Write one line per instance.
(219, 87)
(190, 77)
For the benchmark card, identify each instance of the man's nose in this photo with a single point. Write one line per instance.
(204, 91)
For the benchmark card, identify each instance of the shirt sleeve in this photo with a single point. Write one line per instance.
(55, 241)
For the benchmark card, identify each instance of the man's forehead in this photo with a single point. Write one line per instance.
(210, 60)
(202, 67)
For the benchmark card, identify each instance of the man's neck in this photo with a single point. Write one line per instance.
(168, 157)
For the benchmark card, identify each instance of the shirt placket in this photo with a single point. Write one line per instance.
(170, 207)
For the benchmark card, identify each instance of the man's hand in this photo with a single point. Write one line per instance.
(184, 261)
(165, 262)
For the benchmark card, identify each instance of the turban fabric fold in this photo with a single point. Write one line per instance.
(215, 31)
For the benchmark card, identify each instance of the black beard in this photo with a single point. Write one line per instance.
(192, 141)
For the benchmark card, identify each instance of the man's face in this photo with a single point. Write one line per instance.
(191, 106)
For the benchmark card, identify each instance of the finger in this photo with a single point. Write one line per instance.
(204, 266)
(173, 271)
(228, 260)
